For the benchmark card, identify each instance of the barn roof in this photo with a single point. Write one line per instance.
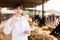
(26, 3)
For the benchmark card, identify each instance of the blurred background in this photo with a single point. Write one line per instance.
(42, 15)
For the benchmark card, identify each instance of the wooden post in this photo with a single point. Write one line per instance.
(42, 8)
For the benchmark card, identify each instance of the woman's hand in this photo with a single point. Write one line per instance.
(26, 32)
(13, 21)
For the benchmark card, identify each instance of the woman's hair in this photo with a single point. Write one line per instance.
(16, 5)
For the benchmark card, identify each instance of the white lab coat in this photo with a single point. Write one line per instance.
(18, 28)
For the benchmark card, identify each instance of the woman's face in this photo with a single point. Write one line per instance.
(18, 11)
